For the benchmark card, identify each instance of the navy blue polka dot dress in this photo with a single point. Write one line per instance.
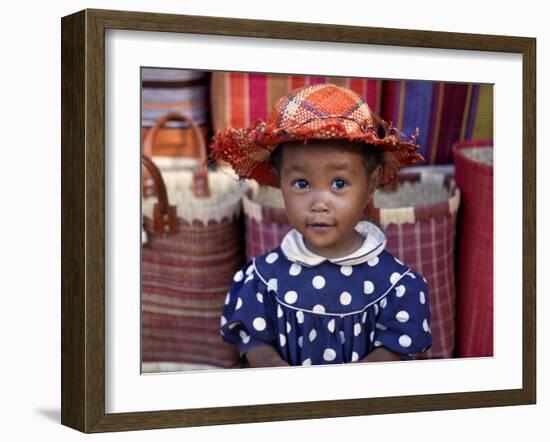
(314, 310)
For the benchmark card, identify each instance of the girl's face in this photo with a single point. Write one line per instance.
(326, 189)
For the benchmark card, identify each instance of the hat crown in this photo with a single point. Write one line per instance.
(314, 105)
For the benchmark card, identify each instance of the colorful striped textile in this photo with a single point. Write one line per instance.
(475, 242)
(239, 99)
(444, 113)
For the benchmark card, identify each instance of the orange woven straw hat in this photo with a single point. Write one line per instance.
(322, 112)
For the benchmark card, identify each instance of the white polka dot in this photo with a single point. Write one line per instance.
(238, 276)
(354, 357)
(291, 297)
(279, 312)
(422, 298)
(300, 341)
(227, 297)
(383, 303)
(300, 317)
(250, 269)
(329, 354)
(346, 270)
(364, 318)
(260, 297)
(222, 333)
(271, 258)
(400, 290)
(239, 304)
(318, 309)
(249, 278)
(397, 261)
(402, 316)
(368, 287)
(272, 284)
(223, 321)
(282, 339)
(411, 275)
(244, 336)
(307, 362)
(288, 327)
(405, 341)
(345, 298)
(342, 337)
(424, 279)
(259, 324)
(395, 277)
(295, 269)
(312, 335)
(425, 325)
(233, 325)
(330, 325)
(372, 262)
(371, 336)
(381, 326)
(357, 329)
(375, 309)
(318, 282)
(377, 343)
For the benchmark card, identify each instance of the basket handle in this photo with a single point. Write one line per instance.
(165, 219)
(200, 177)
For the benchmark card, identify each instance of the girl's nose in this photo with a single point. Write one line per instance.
(319, 204)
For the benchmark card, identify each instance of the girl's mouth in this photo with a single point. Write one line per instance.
(320, 227)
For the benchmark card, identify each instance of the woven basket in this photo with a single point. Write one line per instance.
(422, 235)
(191, 252)
(474, 176)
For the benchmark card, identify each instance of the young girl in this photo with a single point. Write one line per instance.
(329, 293)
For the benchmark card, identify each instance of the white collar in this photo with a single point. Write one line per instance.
(294, 247)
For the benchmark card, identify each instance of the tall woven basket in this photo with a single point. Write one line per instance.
(191, 250)
(420, 232)
(474, 176)
(419, 216)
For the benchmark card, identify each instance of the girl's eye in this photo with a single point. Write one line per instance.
(339, 183)
(300, 184)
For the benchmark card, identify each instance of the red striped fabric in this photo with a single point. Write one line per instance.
(239, 99)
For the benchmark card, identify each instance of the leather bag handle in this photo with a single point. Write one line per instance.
(165, 219)
(200, 177)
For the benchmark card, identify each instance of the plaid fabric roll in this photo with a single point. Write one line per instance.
(475, 264)
(239, 99)
(444, 113)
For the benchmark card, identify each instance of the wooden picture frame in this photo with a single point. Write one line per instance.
(83, 220)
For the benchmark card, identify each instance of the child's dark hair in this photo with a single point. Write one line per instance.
(373, 156)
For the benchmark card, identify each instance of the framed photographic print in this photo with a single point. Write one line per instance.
(143, 292)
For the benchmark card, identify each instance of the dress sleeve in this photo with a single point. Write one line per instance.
(403, 321)
(247, 319)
